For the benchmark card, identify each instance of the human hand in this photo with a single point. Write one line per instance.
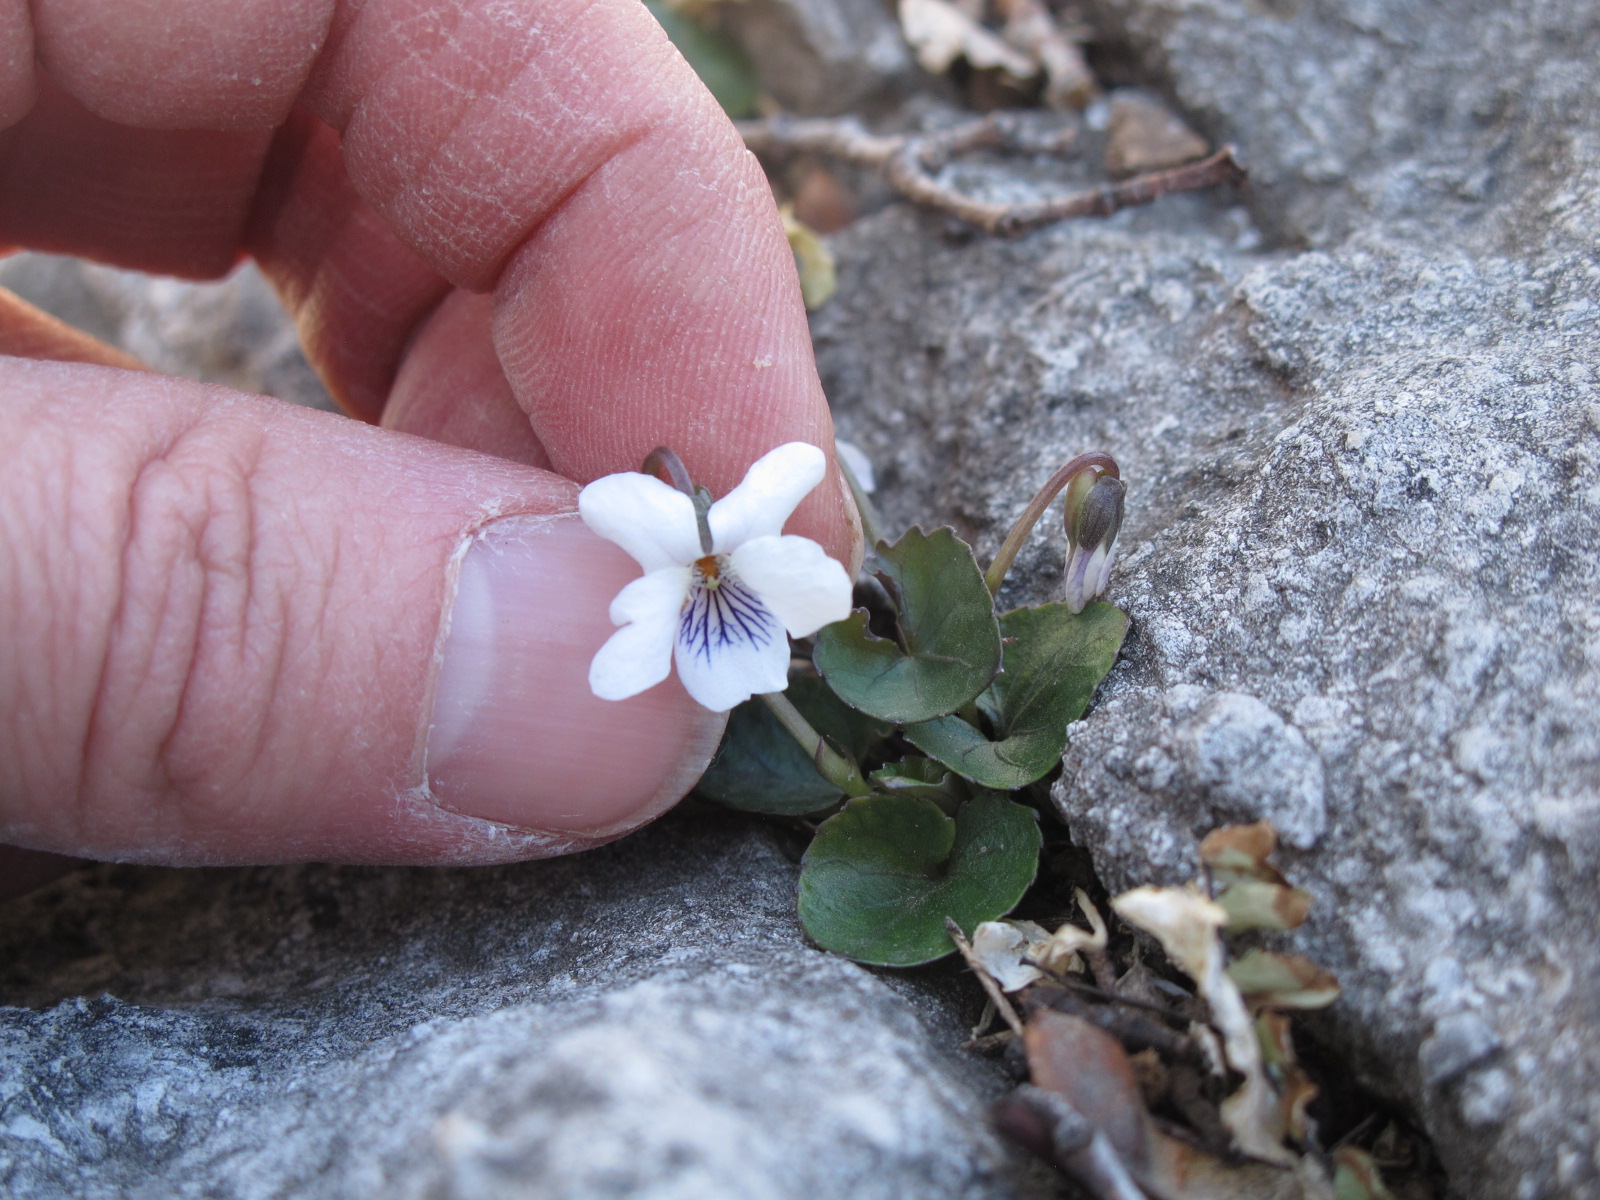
(522, 230)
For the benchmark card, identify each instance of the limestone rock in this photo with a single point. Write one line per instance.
(1359, 553)
(232, 332)
(644, 1020)
(818, 57)
(1472, 121)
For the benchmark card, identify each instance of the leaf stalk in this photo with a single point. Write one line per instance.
(831, 765)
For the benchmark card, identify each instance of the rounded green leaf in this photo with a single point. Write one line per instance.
(760, 768)
(1053, 662)
(951, 639)
(885, 871)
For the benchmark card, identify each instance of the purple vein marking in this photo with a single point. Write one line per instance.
(726, 613)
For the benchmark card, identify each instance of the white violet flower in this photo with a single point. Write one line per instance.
(717, 594)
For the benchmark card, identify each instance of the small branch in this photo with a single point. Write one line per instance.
(1131, 1023)
(910, 163)
(1223, 167)
(831, 765)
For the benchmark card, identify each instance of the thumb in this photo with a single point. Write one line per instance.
(238, 631)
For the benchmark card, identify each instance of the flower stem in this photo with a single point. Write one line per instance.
(871, 525)
(831, 765)
(1012, 546)
(663, 458)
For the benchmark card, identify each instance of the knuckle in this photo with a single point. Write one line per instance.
(195, 633)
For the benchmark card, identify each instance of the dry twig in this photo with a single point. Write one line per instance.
(990, 987)
(910, 163)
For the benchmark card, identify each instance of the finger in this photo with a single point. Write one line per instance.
(194, 64)
(172, 201)
(29, 332)
(558, 153)
(356, 289)
(16, 61)
(645, 292)
(452, 356)
(239, 631)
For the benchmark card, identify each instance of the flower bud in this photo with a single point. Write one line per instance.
(1093, 518)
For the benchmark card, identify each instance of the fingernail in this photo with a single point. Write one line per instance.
(516, 736)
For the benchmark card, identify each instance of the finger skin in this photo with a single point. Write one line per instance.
(29, 332)
(222, 617)
(558, 153)
(16, 61)
(169, 201)
(556, 157)
(193, 64)
(453, 354)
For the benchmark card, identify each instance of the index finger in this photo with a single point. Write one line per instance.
(557, 152)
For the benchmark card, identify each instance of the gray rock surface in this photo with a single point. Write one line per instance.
(644, 1020)
(821, 56)
(1359, 414)
(1470, 121)
(233, 332)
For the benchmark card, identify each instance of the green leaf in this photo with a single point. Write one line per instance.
(1283, 980)
(1053, 662)
(1356, 1176)
(885, 871)
(952, 640)
(760, 768)
(916, 776)
(1256, 904)
(720, 61)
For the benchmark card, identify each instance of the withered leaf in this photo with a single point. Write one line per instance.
(1283, 981)
(1257, 904)
(1241, 851)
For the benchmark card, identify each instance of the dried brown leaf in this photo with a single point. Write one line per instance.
(999, 947)
(1180, 1171)
(1069, 1056)
(1241, 850)
(812, 259)
(1060, 953)
(1144, 135)
(1187, 925)
(1032, 29)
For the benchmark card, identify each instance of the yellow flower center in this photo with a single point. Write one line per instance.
(708, 572)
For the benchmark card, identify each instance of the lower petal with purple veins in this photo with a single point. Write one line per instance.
(729, 645)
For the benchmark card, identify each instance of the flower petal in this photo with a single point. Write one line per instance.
(772, 488)
(1086, 575)
(794, 577)
(651, 520)
(639, 656)
(730, 646)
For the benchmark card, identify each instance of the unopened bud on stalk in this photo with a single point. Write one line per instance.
(1093, 518)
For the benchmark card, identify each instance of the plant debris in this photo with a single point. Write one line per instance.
(1140, 1089)
(911, 164)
